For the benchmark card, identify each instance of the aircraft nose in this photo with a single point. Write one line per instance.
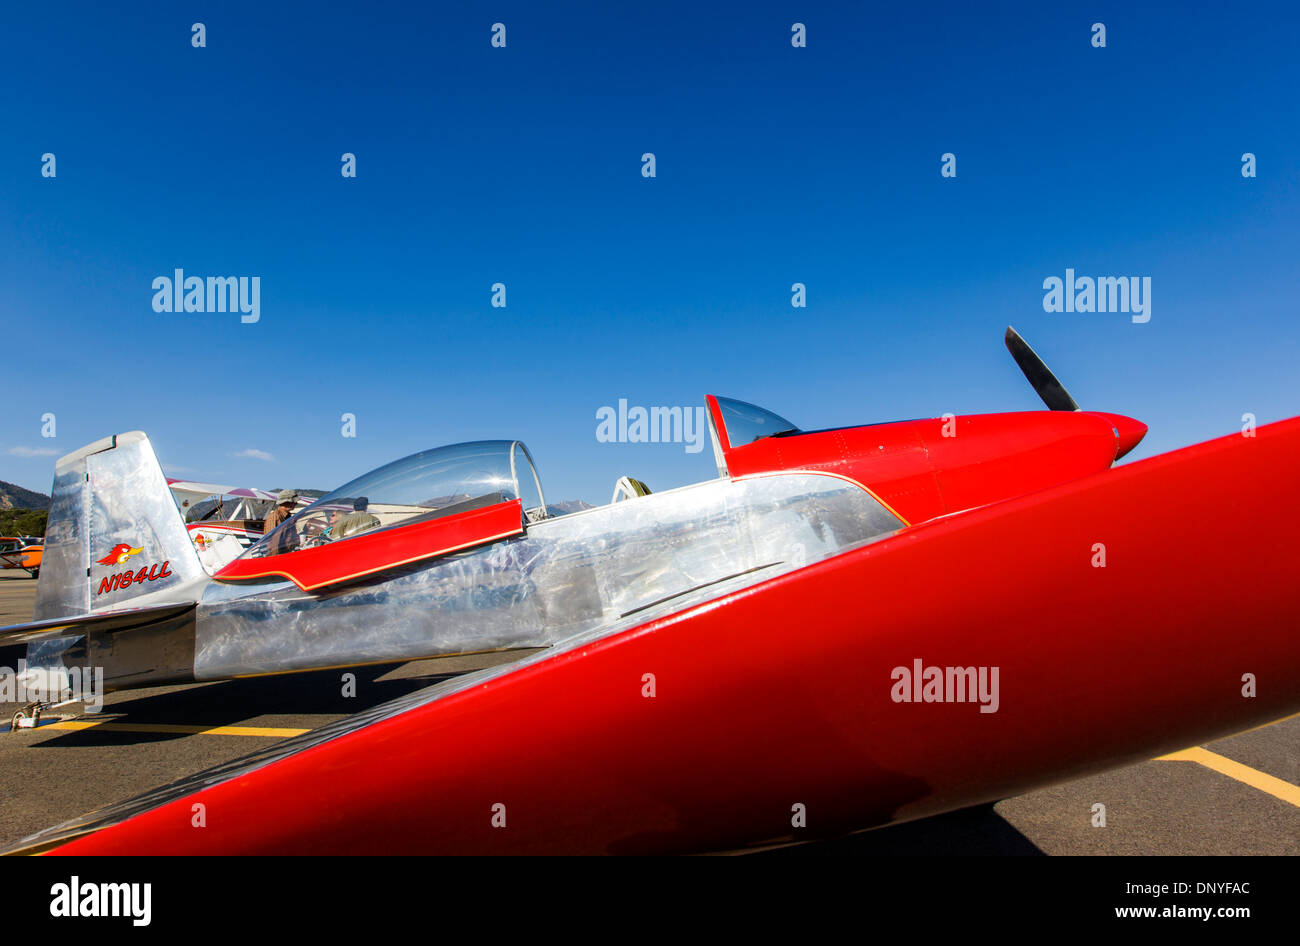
(1129, 431)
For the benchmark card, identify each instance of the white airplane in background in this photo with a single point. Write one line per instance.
(234, 521)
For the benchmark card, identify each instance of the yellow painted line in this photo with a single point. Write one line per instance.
(1235, 770)
(174, 729)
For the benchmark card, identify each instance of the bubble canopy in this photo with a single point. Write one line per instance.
(428, 485)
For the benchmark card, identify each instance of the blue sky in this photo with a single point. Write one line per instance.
(521, 165)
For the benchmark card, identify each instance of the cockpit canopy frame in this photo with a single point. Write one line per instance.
(426, 504)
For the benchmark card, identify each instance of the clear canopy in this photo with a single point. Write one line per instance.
(426, 485)
(746, 423)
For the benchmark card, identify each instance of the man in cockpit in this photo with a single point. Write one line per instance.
(355, 522)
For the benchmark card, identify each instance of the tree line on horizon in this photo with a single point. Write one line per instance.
(23, 521)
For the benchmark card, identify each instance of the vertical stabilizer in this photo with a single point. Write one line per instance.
(114, 532)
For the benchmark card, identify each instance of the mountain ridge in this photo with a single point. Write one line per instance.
(13, 496)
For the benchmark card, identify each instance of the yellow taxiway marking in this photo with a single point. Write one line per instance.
(1235, 770)
(175, 728)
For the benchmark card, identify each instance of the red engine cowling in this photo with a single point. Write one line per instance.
(928, 468)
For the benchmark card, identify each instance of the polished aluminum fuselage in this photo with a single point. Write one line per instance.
(563, 577)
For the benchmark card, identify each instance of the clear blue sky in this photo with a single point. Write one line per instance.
(522, 165)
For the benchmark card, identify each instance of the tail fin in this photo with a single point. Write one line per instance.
(114, 532)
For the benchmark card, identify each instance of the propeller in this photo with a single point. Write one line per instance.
(1128, 432)
(1038, 374)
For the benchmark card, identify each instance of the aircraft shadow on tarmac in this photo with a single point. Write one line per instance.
(245, 702)
(978, 831)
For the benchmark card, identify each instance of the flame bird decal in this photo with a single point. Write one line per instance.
(119, 555)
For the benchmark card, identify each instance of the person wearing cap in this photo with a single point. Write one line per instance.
(356, 521)
(283, 510)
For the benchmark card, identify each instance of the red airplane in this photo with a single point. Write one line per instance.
(927, 615)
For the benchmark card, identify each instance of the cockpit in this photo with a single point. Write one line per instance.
(431, 485)
(444, 501)
(446, 482)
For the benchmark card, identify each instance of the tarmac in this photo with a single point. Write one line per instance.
(1236, 796)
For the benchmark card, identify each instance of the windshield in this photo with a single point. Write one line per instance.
(428, 485)
(746, 423)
